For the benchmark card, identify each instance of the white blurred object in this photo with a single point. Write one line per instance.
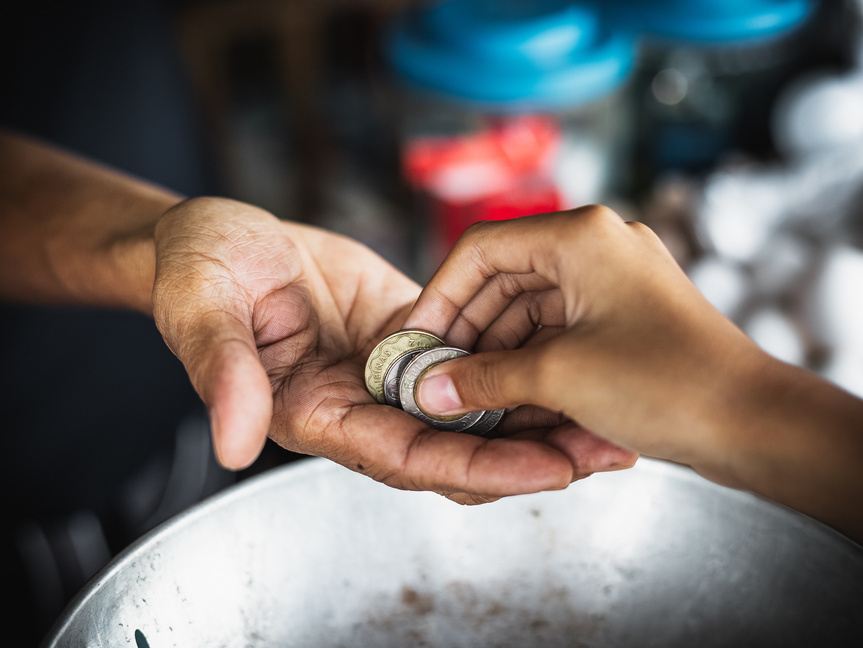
(819, 124)
(846, 370)
(580, 171)
(819, 113)
(776, 334)
(742, 210)
(835, 304)
(722, 282)
(781, 265)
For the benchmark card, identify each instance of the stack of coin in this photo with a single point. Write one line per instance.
(395, 367)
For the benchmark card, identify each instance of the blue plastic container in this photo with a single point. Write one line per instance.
(511, 55)
(711, 22)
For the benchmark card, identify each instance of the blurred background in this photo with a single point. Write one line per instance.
(734, 129)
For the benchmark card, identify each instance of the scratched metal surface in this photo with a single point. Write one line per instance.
(314, 555)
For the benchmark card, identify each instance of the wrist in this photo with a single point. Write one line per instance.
(130, 261)
(123, 268)
(741, 423)
(796, 439)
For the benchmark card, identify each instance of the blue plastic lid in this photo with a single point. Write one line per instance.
(511, 54)
(712, 21)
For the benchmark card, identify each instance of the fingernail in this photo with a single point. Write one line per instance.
(437, 395)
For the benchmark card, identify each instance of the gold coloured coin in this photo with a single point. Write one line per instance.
(390, 349)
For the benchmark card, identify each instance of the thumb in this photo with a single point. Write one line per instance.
(221, 358)
(492, 380)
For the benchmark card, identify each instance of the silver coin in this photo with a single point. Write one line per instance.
(487, 422)
(394, 376)
(407, 390)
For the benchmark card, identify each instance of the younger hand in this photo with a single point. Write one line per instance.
(618, 338)
(623, 343)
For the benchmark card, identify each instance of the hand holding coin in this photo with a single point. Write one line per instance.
(584, 314)
(398, 362)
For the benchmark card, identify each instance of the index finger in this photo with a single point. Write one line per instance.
(519, 246)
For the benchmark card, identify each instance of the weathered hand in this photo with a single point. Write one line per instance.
(274, 322)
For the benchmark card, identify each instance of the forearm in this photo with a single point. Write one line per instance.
(796, 439)
(74, 232)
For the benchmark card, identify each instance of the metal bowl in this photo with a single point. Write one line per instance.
(314, 555)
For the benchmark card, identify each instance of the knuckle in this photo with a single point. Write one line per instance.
(590, 222)
(502, 337)
(492, 385)
(533, 305)
(473, 243)
(509, 285)
(600, 218)
(641, 230)
(473, 236)
(602, 221)
(595, 215)
(484, 385)
(478, 230)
